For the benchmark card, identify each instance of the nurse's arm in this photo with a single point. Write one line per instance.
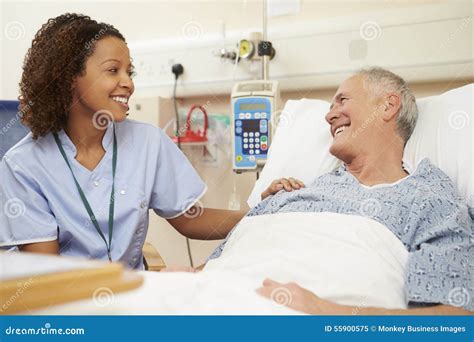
(47, 247)
(212, 224)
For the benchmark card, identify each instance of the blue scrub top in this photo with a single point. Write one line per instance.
(40, 200)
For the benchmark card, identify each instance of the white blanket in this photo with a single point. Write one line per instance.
(177, 293)
(347, 259)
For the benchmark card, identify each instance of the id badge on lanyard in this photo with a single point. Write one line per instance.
(86, 202)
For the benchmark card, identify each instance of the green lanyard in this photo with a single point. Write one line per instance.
(84, 199)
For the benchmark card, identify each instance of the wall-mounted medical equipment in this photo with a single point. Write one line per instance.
(254, 112)
(245, 50)
(188, 135)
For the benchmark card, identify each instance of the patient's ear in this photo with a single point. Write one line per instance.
(391, 106)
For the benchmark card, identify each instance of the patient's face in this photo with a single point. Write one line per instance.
(353, 117)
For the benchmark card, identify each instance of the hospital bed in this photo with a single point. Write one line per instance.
(444, 133)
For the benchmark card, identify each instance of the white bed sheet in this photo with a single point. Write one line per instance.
(347, 259)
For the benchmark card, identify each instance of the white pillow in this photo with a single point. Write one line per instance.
(300, 147)
(444, 133)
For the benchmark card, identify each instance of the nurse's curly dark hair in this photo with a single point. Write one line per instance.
(57, 55)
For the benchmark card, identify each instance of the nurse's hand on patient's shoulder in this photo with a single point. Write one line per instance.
(289, 184)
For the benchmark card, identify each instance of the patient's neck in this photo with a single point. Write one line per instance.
(377, 168)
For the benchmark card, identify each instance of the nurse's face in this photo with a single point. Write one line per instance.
(106, 85)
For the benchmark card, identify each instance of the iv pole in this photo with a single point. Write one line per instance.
(266, 57)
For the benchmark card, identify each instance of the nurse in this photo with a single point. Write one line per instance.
(82, 181)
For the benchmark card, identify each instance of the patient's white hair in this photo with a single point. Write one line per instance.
(381, 81)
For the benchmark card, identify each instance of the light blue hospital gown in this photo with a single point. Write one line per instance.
(422, 210)
(40, 200)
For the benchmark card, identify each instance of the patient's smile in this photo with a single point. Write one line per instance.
(340, 130)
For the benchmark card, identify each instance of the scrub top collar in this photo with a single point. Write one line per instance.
(69, 145)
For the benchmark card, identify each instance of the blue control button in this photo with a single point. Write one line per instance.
(263, 129)
(263, 122)
(238, 130)
(238, 123)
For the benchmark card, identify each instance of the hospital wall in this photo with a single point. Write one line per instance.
(168, 21)
(150, 20)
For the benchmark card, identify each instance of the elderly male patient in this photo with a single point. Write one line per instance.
(371, 118)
